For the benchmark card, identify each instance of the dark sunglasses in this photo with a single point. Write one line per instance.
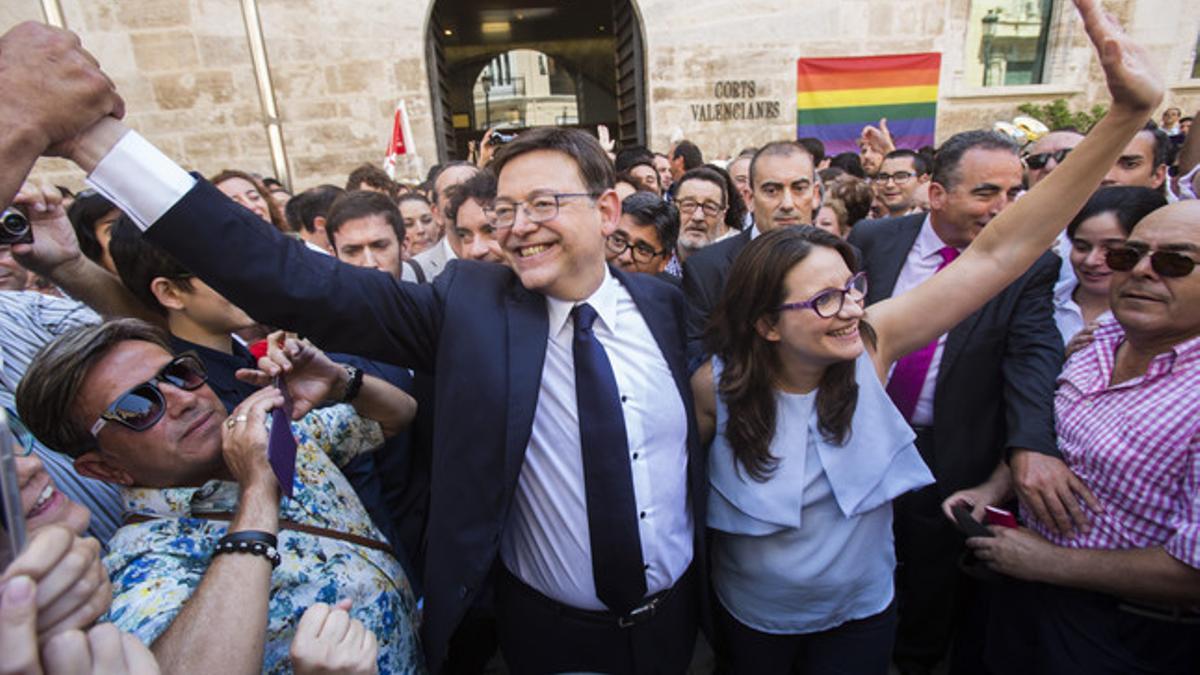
(1164, 263)
(1040, 160)
(143, 405)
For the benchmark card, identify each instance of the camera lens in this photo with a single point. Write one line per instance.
(13, 226)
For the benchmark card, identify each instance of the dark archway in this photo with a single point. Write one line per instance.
(592, 50)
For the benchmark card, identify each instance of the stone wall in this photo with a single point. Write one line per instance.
(340, 66)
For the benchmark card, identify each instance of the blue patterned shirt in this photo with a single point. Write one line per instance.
(155, 566)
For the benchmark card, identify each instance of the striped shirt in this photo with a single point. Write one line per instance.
(28, 321)
(1136, 445)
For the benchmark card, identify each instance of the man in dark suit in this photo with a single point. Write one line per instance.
(562, 469)
(983, 390)
(783, 182)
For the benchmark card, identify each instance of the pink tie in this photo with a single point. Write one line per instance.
(908, 377)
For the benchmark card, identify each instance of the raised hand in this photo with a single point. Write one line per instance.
(54, 242)
(312, 378)
(53, 88)
(1134, 83)
(878, 138)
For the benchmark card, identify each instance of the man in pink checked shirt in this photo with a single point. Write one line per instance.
(1123, 594)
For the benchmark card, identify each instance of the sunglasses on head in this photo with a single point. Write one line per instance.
(143, 405)
(1164, 263)
(1040, 160)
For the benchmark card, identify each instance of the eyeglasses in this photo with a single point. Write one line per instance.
(537, 209)
(689, 206)
(616, 245)
(1040, 160)
(143, 405)
(901, 177)
(21, 434)
(829, 302)
(1165, 263)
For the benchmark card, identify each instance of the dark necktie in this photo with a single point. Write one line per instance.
(281, 444)
(908, 377)
(617, 565)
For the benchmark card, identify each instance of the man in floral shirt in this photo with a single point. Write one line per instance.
(197, 484)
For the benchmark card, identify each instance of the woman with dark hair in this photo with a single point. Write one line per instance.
(420, 229)
(808, 451)
(1107, 218)
(250, 192)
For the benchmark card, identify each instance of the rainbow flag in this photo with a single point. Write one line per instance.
(836, 97)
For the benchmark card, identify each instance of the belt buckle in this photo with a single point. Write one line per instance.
(639, 614)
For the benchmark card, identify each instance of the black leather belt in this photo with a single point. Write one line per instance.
(1167, 613)
(639, 615)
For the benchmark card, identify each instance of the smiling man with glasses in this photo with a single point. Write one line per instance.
(645, 237)
(896, 183)
(578, 487)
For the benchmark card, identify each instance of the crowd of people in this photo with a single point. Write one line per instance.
(566, 406)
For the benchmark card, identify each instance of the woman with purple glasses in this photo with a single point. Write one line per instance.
(807, 449)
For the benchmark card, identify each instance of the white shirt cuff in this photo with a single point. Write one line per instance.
(140, 180)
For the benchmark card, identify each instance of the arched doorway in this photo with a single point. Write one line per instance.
(565, 63)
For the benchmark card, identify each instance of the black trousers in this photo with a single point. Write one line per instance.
(861, 647)
(937, 603)
(539, 635)
(1038, 629)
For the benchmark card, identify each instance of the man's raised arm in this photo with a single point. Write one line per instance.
(275, 278)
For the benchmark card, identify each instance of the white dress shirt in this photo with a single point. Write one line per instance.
(546, 541)
(922, 261)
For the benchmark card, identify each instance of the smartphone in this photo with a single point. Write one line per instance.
(995, 516)
(12, 514)
(968, 525)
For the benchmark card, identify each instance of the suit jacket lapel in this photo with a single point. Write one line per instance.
(887, 264)
(956, 339)
(528, 331)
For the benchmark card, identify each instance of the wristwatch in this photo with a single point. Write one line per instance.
(353, 385)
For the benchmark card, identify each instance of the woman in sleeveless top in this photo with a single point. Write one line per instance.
(807, 450)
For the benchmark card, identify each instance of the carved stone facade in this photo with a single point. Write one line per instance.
(339, 67)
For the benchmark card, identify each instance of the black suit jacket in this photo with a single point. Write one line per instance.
(475, 327)
(995, 386)
(704, 275)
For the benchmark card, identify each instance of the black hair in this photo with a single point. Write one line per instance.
(647, 208)
(735, 209)
(692, 157)
(369, 174)
(629, 157)
(303, 210)
(360, 204)
(1128, 203)
(140, 262)
(1162, 144)
(595, 170)
(950, 154)
(481, 187)
(815, 148)
(848, 162)
(89, 207)
(779, 149)
(920, 162)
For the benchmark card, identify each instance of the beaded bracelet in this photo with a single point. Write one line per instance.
(254, 542)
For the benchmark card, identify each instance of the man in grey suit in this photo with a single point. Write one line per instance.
(979, 394)
(433, 260)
